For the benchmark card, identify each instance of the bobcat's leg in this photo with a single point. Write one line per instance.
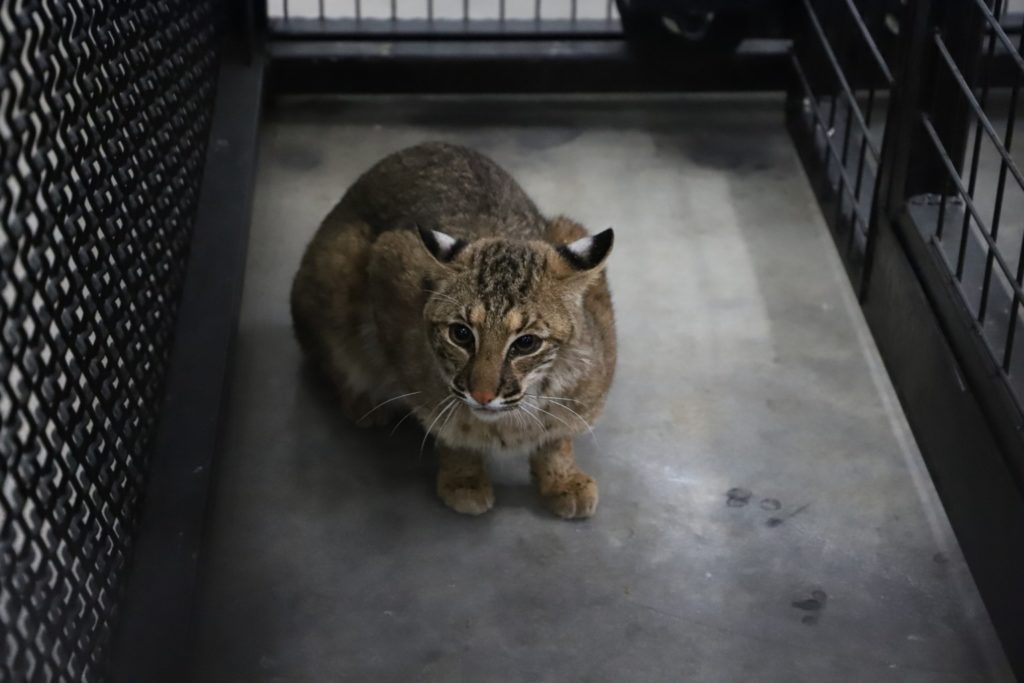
(567, 490)
(462, 481)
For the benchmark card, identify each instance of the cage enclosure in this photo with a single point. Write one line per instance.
(812, 457)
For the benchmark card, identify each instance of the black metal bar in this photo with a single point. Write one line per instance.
(869, 40)
(361, 30)
(1008, 346)
(837, 70)
(996, 216)
(947, 162)
(997, 28)
(845, 184)
(154, 636)
(980, 119)
(513, 66)
(1016, 302)
(983, 123)
(829, 198)
(963, 28)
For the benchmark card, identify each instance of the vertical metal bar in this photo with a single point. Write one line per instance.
(465, 11)
(359, 11)
(573, 12)
(827, 22)
(864, 140)
(608, 12)
(975, 159)
(536, 12)
(252, 18)
(259, 11)
(285, 7)
(430, 11)
(394, 10)
(902, 119)
(1015, 301)
(1008, 348)
(321, 10)
(1000, 188)
(851, 103)
(501, 12)
(940, 227)
(963, 30)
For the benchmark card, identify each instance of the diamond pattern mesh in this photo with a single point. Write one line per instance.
(104, 112)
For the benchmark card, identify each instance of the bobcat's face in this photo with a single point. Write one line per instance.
(502, 311)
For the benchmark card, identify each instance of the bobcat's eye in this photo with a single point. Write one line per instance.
(461, 335)
(525, 345)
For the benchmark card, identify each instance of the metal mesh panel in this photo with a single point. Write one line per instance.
(104, 108)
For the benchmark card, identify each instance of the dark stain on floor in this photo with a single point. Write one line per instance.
(813, 606)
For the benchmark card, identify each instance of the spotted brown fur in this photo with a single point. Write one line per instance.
(376, 296)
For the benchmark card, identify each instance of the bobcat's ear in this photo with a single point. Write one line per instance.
(442, 246)
(585, 255)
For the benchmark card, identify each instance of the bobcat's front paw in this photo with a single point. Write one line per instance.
(574, 497)
(467, 494)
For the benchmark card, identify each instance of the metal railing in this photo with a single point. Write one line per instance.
(442, 18)
(932, 190)
(974, 221)
(837, 110)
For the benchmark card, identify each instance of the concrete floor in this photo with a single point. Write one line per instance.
(765, 515)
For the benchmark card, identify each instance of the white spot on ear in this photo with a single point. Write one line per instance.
(581, 247)
(445, 243)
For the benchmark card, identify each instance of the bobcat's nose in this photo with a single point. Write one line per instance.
(482, 396)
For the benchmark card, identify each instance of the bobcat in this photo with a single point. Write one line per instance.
(436, 286)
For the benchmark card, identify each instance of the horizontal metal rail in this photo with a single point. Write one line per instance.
(954, 176)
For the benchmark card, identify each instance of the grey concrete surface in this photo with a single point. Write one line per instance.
(744, 364)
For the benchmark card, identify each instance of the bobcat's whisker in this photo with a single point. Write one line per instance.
(556, 398)
(449, 402)
(537, 407)
(536, 419)
(404, 418)
(384, 403)
(580, 417)
(443, 296)
(437, 406)
(448, 419)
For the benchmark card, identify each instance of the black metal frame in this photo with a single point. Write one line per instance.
(402, 55)
(155, 632)
(953, 381)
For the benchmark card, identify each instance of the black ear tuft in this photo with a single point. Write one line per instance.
(590, 252)
(441, 246)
